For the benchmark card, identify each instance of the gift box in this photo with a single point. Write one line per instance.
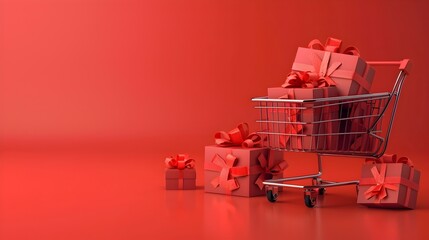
(351, 74)
(305, 113)
(180, 179)
(389, 182)
(239, 171)
(180, 173)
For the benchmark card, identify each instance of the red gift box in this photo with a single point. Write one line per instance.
(389, 182)
(180, 173)
(180, 179)
(240, 171)
(351, 74)
(306, 114)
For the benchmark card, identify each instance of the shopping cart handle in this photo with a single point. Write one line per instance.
(404, 65)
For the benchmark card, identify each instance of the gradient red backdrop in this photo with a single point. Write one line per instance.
(162, 76)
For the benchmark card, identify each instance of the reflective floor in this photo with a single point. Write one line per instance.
(118, 195)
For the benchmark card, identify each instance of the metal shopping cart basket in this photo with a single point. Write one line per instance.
(348, 126)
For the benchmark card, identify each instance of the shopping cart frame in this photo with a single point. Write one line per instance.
(318, 186)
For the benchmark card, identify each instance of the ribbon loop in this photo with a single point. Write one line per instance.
(181, 161)
(332, 45)
(238, 136)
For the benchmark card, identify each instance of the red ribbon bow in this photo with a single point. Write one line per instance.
(181, 161)
(299, 79)
(390, 158)
(238, 136)
(269, 168)
(332, 45)
(379, 191)
(228, 173)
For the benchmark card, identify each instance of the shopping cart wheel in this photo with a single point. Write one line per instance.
(310, 197)
(271, 196)
(321, 191)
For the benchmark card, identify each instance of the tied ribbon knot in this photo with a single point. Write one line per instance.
(379, 191)
(268, 169)
(181, 161)
(228, 173)
(238, 136)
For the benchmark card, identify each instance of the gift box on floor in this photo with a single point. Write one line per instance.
(389, 182)
(240, 171)
(180, 179)
(180, 173)
(292, 112)
(351, 74)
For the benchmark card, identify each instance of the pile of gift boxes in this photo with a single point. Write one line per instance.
(239, 161)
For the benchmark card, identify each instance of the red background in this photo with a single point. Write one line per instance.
(94, 94)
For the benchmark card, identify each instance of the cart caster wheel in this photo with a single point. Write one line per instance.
(321, 191)
(271, 196)
(309, 201)
(310, 198)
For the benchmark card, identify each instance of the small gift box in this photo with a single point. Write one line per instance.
(234, 168)
(301, 122)
(389, 182)
(351, 74)
(180, 173)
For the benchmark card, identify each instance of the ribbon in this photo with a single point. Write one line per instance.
(267, 169)
(181, 161)
(238, 136)
(379, 191)
(299, 79)
(333, 45)
(228, 173)
(390, 158)
(291, 128)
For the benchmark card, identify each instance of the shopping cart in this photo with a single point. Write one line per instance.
(349, 126)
